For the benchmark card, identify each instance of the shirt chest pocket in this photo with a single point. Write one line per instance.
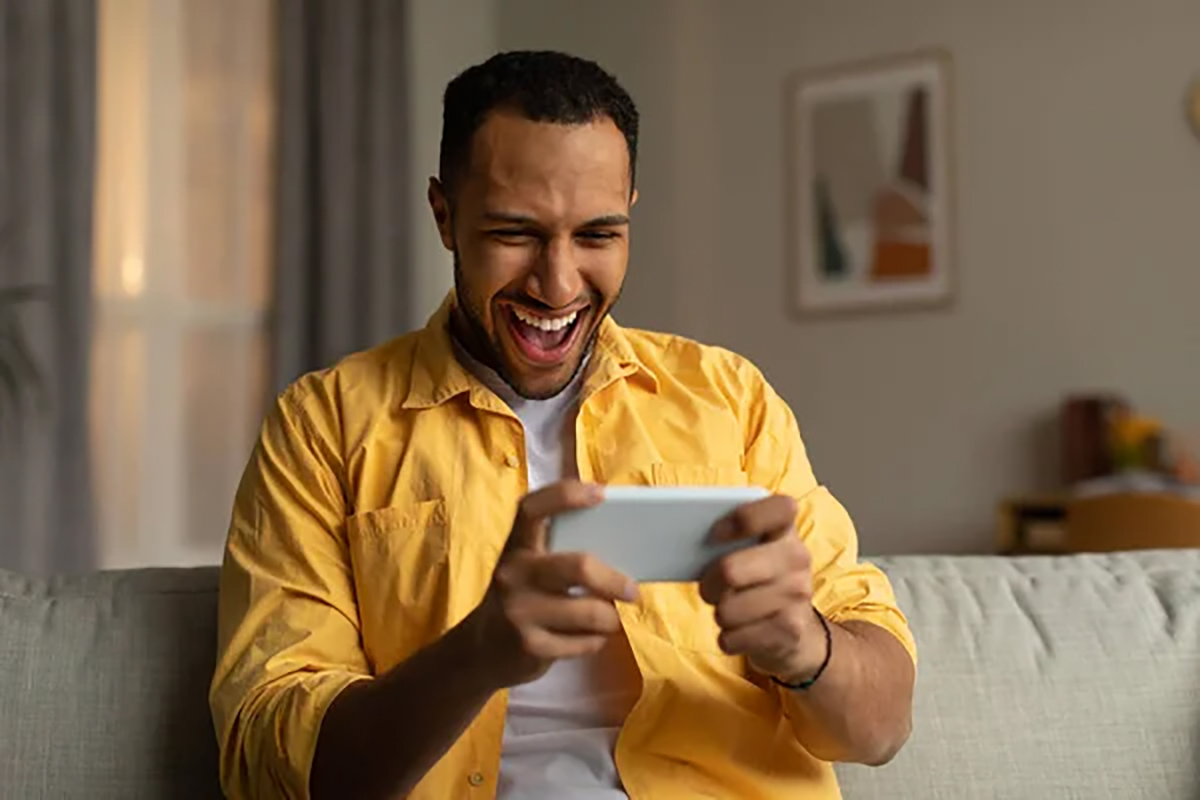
(400, 559)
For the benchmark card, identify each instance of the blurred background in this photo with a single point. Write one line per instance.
(202, 199)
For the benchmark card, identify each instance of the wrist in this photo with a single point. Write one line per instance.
(811, 663)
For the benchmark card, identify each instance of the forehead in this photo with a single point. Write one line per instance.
(548, 169)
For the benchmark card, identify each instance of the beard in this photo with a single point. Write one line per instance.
(486, 347)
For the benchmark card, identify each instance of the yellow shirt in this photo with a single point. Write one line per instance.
(375, 506)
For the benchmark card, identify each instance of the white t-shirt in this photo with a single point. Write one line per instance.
(561, 729)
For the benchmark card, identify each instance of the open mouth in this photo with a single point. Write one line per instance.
(544, 339)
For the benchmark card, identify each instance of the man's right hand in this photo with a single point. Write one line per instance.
(544, 606)
(379, 738)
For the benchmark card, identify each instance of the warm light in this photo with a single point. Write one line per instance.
(133, 275)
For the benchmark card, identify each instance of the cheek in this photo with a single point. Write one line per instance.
(491, 268)
(605, 270)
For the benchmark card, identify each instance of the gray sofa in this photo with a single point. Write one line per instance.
(1064, 677)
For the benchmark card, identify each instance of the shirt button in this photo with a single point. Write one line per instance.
(510, 461)
(476, 779)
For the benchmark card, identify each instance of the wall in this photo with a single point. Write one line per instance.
(444, 38)
(1079, 193)
(1078, 200)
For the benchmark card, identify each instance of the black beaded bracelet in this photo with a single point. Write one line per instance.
(803, 685)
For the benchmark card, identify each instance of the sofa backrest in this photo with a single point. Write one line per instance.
(1067, 677)
(1050, 677)
(104, 686)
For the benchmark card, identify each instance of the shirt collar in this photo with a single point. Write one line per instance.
(438, 376)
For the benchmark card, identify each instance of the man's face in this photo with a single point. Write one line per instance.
(539, 227)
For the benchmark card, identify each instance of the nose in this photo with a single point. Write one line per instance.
(556, 279)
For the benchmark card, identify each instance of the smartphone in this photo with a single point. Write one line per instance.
(654, 533)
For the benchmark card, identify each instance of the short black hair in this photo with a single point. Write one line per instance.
(542, 86)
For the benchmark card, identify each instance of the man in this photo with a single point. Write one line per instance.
(388, 630)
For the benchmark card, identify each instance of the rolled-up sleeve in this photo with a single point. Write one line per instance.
(288, 631)
(844, 588)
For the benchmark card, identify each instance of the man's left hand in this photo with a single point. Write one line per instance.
(763, 594)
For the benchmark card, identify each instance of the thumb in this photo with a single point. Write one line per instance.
(534, 512)
(528, 533)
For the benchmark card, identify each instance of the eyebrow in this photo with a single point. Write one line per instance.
(607, 221)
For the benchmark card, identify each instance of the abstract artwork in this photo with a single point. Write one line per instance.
(872, 185)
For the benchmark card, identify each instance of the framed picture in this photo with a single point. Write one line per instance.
(872, 186)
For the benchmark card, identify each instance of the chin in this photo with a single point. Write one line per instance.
(542, 386)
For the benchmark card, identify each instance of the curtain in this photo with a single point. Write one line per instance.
(340, 277)
(47, 110)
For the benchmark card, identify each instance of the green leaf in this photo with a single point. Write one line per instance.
(18, 366)
(12, 296)
(10, 386)
(26, 367)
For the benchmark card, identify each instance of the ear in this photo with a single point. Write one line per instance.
(442, 216)
(633, 198)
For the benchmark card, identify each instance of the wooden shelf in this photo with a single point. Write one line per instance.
(1034, 524)
(1061, 523)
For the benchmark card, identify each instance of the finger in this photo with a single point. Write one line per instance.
(738, 609)
(574, 616)
(561, 573)
(776, 637)
(549, 646)
(753, 566)
(769, 516)
(533, 512)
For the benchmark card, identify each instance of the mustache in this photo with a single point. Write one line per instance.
(591, 299)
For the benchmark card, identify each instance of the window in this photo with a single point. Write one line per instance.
(182, 274)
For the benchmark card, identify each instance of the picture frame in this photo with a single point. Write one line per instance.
(872, 186)
(1192, 107)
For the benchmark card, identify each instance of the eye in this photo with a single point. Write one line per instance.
(597, 237)
(511, 235)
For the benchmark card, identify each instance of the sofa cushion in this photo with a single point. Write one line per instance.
(1049, 677)
(103, 686)
(1039, 678)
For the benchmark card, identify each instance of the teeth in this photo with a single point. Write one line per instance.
(542, 323)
